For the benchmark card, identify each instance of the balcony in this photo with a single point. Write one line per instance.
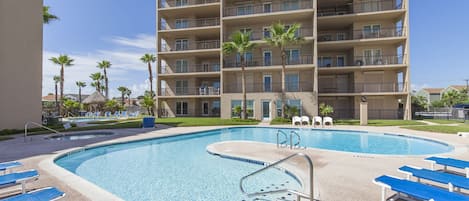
(328, 62)
(198, 68)
(360, 7)
(363, 88)
(325, 36)
(260, 35)
(266, 8)
(274, 87)
(184, 3)
(193, 23)
(197, 45)
(265, 61)
(189, 91)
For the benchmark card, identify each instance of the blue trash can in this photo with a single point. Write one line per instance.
(148, 122)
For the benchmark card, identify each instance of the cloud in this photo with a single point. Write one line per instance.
(142, 41)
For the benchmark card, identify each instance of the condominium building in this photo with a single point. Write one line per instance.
(351, 49)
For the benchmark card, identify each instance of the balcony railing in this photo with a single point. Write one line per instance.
(260, 35)
(273, 87)
(325, 62)
(213, 67)
(197, 45)
(361, 7)
(250, 9)
(268, 61)
(359, 34)
(184, 24)
(363, 88)
(190, 91)
(183, 3)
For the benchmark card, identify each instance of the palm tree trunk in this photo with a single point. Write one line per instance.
(243, 82)
(57, 99)
(61, 88)
(123, 99)
(106, 82)
(79, 94)
(284, 58)
(151, 87)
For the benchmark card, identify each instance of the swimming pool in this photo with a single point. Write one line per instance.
(179, 167)
(80, 136)
(88, 119)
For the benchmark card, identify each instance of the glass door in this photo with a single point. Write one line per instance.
(266, 109)
(267, 84)
(267, 58)
(205, 108)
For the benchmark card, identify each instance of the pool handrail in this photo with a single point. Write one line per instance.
(291, 140)
(298, 194)
(37, 124)
(279, 144)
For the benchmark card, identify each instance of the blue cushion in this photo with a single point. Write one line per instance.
(441, 177)
(7, 165)
(45, 194)
(450, 162)
(14, 177)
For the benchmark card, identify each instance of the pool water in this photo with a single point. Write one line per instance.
(179, 167)
(87, 119)
(81, 136)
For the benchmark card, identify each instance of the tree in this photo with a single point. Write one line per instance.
(128, 93)
(241, 44)
(291, 111)
(80, 85)
(148, 59)
(281, 37)
(71, 106)
(451, 98)
(105, 65)
(112, 105)
(47, 16)
(419, 102)
(123, 91)
(62, 60)
(437, 104)
(56, 81)
(148, 103)
(96, 77)
(325, 110)
(238, 111)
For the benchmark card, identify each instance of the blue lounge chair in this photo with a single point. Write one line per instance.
(44, 194)
(16, 178)
(4, 167)
(441, 177)
(416, 190)
(449, 162)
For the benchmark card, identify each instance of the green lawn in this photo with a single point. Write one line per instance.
(443, 121)
(441, 128)
(203, 121)
(280, 121)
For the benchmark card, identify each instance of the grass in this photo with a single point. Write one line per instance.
(443, 121)
(280, 121)
(379, 122)
(441, 128)
(203, 121)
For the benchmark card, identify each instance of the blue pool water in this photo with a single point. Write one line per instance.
(89, 119)
(179, 167)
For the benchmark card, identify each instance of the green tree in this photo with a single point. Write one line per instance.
(451, 98)
(148, 59)
(419, 102)
(128, 93)
(71, 106)
(281, 37)
(47, 17)
(112, 105)
(291, 111)
(97, 78)
(105, 65)
(241, 44)
(62, 60)
(237, 110)
(148, 103)
(80, 85)
(437, 104)
(123, 91)
(325, 110)
(56, 81)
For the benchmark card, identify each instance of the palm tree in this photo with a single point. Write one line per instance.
(281, 37)
(96, 77)
(123, 91)
(80, 85)
(105, 65)
(56, 81)
(241, 44)
(148, 59)
(128, 93)
(46, 16)
(62, 60)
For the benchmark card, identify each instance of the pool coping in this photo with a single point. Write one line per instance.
(95, 192)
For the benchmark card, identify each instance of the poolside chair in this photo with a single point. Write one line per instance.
(7, 166)
(317, 121)
(107, 114)
(305, 119)
(328, 121)
(449, 162)
(295, 119)
(117, 114)
(44, 194)
(452, 180)
(415, 190)
(16, 178)
(124, 114)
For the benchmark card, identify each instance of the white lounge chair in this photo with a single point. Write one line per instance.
(328, 121)
(304, 119)
(295, 119)
(317, 121)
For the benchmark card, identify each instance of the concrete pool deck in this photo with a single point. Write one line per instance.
(339, 176)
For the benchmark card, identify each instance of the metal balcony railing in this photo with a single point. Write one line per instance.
(183, 3)
(260, 35)
(268, 61)
(190, 91)
(329, 61)
(360, 7)
(359, 34)
(212, 67)
(189, 45)
(278, 6)
(273, 87)
(191, 23)
(369, 87)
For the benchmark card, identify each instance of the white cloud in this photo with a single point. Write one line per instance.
(142, 41)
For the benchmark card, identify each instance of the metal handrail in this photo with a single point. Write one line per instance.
(299, 194)
(36, 124)
(291, 139)
(279, 144)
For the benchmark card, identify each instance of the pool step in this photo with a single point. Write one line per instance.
(273, 197)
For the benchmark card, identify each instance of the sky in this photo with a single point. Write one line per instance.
(121, 31)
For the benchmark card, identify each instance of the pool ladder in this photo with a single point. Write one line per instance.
(39, 125)
(299, 195)
(286, 138)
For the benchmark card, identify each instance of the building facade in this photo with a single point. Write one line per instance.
(20, 78)
(351, 48)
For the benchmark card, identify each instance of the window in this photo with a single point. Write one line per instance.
(297, 32)
(247, 58)
(215, 67)
(181, 66)
(291, 5)
(244, 10)
(371, 31)
(267, 83)
(340, 60)
(181, 2)
(267, 7)
(325, 61)
(236, 108)
(341, 36)
(373, 57)
(292, 82)
(247, 30)
(181, 108)
(266, 32)
(182, 87)
(250, 108)
(182, 23)
(267, 58)
(182, 44)
(216, 108)
(290, 103)
(293, 57)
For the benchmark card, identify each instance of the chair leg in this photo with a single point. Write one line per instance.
(383, 193)
(23, 187)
